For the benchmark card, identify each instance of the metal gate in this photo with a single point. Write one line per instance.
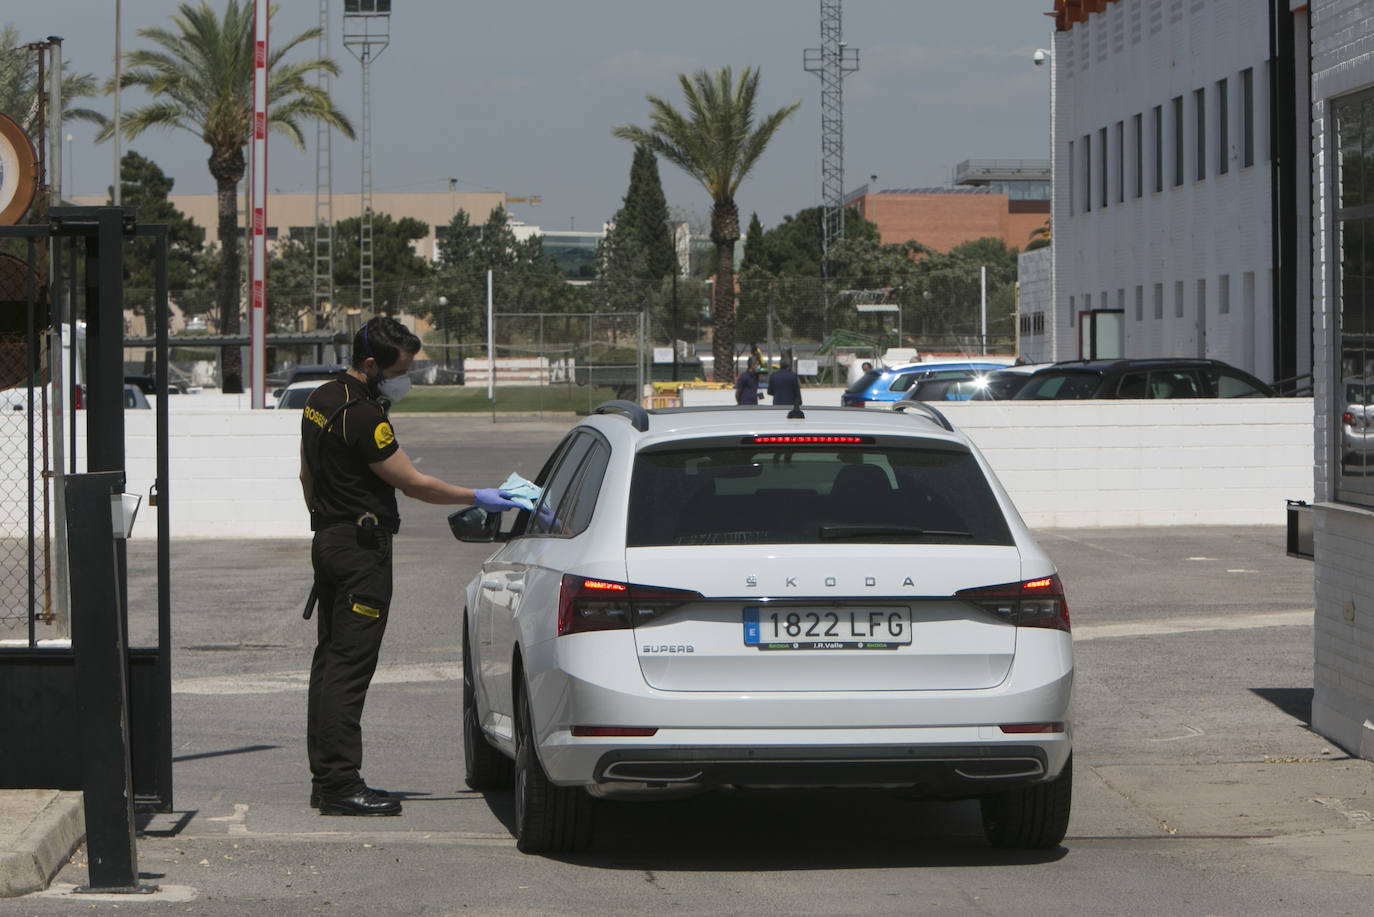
(61, 375)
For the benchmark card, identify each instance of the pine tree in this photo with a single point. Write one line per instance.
(646, 212)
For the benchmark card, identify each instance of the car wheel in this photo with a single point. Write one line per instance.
(1031, 818)
(485, 768)
(548, 818)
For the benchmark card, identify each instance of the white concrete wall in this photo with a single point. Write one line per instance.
(1342, 42)
(1124, 61)
(1083, 463)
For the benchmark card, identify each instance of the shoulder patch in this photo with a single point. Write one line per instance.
(383, 435)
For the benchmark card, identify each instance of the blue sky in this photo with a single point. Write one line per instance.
(520, 96)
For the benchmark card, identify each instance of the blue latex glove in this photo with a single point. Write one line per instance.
(493, 500)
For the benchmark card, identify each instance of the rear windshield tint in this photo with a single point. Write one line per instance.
(861, 386)
(809, 495)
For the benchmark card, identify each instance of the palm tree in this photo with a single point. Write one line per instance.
(201, 77)
(717, 143)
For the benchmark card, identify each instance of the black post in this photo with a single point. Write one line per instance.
(677, 329)
(102, 682)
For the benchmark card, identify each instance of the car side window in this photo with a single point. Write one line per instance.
(1174, 383)
(583, 499)
(1132, 386)
(1229, 385)
(522, 518)
(548, 517)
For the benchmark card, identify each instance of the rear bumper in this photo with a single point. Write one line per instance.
(939, 771)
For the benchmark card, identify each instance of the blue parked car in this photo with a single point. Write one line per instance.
(891, 383)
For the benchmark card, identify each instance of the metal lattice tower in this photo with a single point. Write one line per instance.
(831, 61)
(323, 290)
(367, 32)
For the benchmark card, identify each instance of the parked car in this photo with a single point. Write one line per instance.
(711, 597)
(1357, 422)
(1148, 378)
(881, 387)
(148, 385)
(973, 385)
(134, 397)
(307, 371)
(293, 397)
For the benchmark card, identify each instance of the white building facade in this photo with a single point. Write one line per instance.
(1342, 42)
(1166, 216)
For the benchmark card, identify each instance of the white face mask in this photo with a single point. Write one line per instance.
(395, 389)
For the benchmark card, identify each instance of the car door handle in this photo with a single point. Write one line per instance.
(491, 585)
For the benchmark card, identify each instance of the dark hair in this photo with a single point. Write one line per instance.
(383, 338)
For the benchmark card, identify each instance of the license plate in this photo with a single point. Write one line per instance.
(827, 629)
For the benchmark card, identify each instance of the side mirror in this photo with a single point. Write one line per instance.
(474, 524)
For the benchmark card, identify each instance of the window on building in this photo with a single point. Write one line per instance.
(1159, 148)
(1087, 172)
(1223, 129)
(1073, 173)
(1038, 326)
(1202, 300)
(1178, 299)
(1352, 400)
(1139, 153)
(1200, 127)
(1139, 303)
(1177, 119)
(1159, 301)
(1247, 117)
(1102, 164)
(1120, 161)
(1224, 294)
(1072, 310)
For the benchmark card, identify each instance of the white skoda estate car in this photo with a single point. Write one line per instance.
(759, 598)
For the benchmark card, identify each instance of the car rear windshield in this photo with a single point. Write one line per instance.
(861, 386)
(812, 494)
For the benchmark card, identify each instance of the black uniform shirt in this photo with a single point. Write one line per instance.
(343, 485)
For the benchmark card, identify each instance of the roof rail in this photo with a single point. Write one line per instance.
(931, 412)
(638, 417)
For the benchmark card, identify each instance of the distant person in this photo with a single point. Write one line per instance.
(784, 385)
(747, 384)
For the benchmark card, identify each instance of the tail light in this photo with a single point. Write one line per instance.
(1031, 728)
(587, 604)
(78, 397)
(1033, 603)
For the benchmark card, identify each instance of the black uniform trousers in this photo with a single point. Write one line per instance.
(353, 579)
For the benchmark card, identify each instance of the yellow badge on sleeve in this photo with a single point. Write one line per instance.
(383, 435)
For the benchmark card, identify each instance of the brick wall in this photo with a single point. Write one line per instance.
(944, 220)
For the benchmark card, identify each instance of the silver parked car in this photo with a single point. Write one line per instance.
(754, 598)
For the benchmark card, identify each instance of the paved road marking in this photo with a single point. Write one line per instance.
(421, 673)
(1167, 626)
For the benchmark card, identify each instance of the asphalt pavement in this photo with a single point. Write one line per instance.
(1199, 788)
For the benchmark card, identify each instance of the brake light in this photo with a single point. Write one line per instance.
(1348, 419)
(806, 440)
(613, 731)
(586, 604)
(1033, 603)
(78, 397)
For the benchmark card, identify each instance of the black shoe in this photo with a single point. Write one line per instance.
(368, 802)
(315, 795)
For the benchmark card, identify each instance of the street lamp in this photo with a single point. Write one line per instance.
(443, 306)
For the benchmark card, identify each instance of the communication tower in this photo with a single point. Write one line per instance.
(831, 61)
(367, 32)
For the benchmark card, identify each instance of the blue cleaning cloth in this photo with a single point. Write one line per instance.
(521, 491)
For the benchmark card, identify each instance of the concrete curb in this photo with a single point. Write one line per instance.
(50, 825)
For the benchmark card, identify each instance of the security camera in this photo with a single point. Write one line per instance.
(1039, 56)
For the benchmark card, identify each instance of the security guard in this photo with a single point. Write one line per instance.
(351, 468)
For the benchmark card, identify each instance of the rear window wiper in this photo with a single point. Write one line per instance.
(864, 530)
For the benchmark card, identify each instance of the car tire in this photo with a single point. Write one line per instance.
(484, 767)
(1031, 818)
(548, 818)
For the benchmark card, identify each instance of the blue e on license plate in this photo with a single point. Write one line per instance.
(827, 629)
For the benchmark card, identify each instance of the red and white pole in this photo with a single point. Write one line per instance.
(257, 265)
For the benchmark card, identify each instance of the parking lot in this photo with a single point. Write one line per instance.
(1198, 787)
